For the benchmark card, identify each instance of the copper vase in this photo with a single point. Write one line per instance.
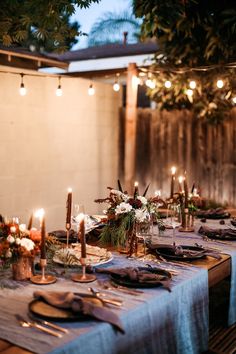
(22, 268)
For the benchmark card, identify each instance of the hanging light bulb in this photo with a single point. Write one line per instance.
(116, 86)
(167, 84)
(22, 89)
(59, 89)
(234, 99)
(220, 83)
(192, 84)
(148, 82)
(91, 90)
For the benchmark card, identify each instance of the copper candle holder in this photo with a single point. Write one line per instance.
(68, 227)
(83, 277)
(43, 279)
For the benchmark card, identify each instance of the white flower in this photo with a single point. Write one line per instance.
(121, 195)
(27, 243)
(8, 254)
(18, 241)
(141, 215)
(22, 227)
(143, 200)
(123, 208)
(10, 239)
(212, 105)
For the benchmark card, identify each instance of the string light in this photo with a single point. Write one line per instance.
(22, 89)
(192, 84)
(91, 90)
(116, 86)
(220, 83)
(59, 89)
(168, 84)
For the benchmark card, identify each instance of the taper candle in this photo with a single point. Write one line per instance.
(43, 239)
(82, 236)
(173, 171)
(180, 179)
(30, 222)
(68, 207)
(135, 189)
(185, 191)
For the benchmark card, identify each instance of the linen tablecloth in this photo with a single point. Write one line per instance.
(157, 321)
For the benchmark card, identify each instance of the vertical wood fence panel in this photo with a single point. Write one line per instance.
(207, 152)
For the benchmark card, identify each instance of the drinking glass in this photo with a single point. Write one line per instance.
(173, 219)
(144, 232)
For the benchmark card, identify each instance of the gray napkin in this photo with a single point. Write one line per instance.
(74, 302)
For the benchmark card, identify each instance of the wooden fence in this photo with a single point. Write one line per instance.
(207, 152)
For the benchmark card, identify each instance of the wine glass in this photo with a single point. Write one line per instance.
(173, 219)
(78, 209)
(144, 232)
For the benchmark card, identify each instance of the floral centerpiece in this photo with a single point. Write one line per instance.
(124, 212)
(16, 247)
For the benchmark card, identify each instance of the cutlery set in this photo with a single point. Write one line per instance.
(40, 325)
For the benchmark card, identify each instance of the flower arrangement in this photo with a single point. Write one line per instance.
(124, 212)
(15, 241)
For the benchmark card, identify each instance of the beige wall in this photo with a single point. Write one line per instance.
(50, 143)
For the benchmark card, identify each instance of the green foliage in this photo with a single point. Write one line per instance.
(111, 26)
(192, 34)
(43, 24)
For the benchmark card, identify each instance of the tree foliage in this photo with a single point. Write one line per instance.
(111, 26)
(192, 34)
(41, 23)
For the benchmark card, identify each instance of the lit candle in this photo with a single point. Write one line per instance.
(68, 207)
(40, 214)
(180, 179)
(135, 189)
(82, 236)
(157, 193)
(185, 191)
(30, 222)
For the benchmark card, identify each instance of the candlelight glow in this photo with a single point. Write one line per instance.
(220, 83)
(173, 170)
(181, 179)
(69, 190)
(192, 84)
(39, 213)
(168, 84)
(136, 184)
(157, 193)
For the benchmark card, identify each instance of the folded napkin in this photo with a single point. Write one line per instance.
(179, 251)
(138, 275)
(218, 213)
(76, 303)
(61, 235)
(227, 234)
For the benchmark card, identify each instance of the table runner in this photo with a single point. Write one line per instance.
(155, 322)
(227, 247)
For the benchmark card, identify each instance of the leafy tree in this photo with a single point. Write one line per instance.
(196, 39)
(111, 26)
(41, 23)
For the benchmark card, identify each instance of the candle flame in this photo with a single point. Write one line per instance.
(136, 184)
(39, 213)
(173, 170)
(181, 178)
(69, 190)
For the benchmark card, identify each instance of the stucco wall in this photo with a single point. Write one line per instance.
(50, 143)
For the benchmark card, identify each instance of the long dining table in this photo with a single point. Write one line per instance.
(156, 321)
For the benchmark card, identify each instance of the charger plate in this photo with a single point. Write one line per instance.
(165, 276)
(41, 309)
(190, 253)
(71, 256)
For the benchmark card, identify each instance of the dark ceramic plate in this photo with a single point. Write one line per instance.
(43, 310)
(190, 253)
(135, 284)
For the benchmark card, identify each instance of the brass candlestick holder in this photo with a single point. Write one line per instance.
(187, 221)
(43, 279)
(84, 277)
(68, 227)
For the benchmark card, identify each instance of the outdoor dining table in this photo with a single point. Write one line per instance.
(157, 321)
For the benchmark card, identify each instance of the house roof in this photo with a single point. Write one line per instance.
(108, 51)
(21, 58)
